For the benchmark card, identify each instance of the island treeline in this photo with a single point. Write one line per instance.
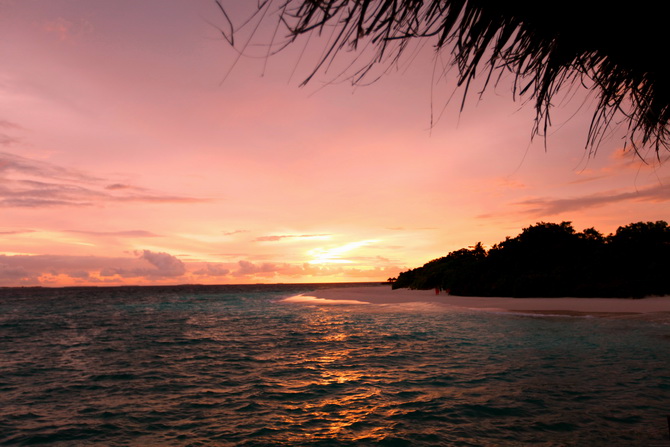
(553, 260)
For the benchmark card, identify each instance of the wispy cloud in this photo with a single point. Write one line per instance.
(411, 229)
(28, 183)
(9, 125)
(118, 186)
(25, 167)
(266, 269)
(14, 232)
(230, 233)
(552, 206)
(128, 233)
(274, 238)
(6, 140)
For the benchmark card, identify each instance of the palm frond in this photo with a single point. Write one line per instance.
(548, 47)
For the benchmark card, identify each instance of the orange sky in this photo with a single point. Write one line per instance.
(127, 156)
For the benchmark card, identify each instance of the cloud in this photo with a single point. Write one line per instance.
(147, 264)
(249, 268)
(274, 238)
(30, 183)
(230, 233)
(165, 263)
(9, 125)
(549, 206)
(211, 269)
(305, 270)
(26, 166)
(269, 238)
(6, 140)
(161, 267)
(13, 232)
(117, 186)
(31, 269)
(128, 233)
(16, 274)
(411, 229)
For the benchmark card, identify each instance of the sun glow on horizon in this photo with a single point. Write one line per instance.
(334, 255)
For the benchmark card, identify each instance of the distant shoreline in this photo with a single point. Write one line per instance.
(600, 307)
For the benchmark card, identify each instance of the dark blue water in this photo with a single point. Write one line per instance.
(233, 365)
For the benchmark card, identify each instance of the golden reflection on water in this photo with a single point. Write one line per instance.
(338, 416)
(339, 412)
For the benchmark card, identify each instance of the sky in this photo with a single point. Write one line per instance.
(138, 147)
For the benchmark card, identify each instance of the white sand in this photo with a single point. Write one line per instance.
(385, 295)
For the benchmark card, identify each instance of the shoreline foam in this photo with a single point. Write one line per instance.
(599, 307)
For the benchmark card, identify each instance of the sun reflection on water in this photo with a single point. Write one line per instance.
(345, 400)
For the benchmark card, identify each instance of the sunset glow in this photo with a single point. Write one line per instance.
(135, 148)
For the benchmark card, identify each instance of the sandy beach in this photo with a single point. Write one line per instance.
(615, 307)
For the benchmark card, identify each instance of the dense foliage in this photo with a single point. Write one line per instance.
(553, 260)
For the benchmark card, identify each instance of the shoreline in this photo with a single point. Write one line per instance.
(598, 307)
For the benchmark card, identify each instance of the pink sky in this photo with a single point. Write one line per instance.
(126, 158)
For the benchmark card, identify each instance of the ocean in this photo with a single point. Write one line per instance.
(237, 366)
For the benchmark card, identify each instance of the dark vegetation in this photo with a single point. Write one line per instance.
(614, 51)
(553, 260)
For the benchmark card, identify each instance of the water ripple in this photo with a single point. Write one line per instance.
(242, 368)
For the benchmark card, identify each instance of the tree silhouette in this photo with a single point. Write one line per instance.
(552, 260)
(616, 52)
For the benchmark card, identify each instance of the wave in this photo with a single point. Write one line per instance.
(307, 299)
